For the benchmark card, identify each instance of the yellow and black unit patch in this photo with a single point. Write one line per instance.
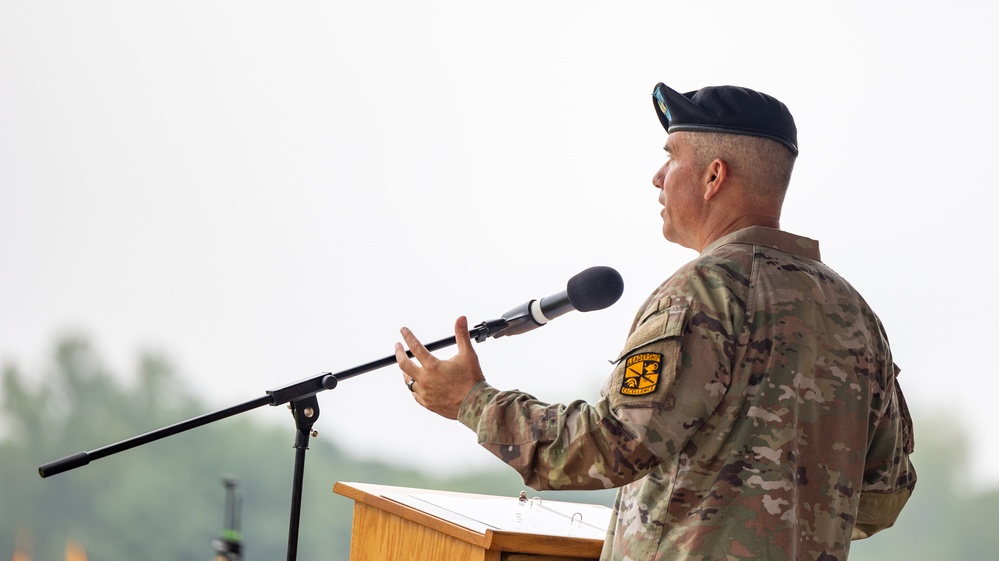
(641, 374)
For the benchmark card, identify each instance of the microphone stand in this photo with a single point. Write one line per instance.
(301, 399)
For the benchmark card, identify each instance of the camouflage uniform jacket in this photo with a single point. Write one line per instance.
(753, 413)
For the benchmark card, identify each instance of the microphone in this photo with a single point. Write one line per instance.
(593, 289)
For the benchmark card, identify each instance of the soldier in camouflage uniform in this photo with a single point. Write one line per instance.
(754, 411)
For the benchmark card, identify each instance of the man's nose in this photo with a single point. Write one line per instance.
(657, 179)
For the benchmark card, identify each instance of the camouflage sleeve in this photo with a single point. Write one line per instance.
(646, 414)
(888, 474)
(574, 446)
(676, 365)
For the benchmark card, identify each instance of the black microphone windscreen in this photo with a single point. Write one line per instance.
(595, 288)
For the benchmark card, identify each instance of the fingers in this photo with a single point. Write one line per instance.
(439, 385)
(402, 359)
(411, 371)
(462, 336)
(420, 352)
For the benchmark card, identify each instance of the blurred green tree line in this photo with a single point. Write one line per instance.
(167, 502)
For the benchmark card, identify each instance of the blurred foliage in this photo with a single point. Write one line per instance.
(165, 500)
(947, 517)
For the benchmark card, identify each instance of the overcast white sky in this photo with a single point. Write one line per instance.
(265, 191)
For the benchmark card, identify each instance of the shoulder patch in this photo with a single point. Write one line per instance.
(641, 373)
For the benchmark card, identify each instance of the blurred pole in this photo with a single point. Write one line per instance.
(228, 547)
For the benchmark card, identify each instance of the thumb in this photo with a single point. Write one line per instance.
(461, 335)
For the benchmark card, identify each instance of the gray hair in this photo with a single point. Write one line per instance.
(763, 165)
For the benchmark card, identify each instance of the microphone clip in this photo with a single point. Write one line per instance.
(488, 329)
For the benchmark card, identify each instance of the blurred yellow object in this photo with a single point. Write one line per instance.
(75, 552)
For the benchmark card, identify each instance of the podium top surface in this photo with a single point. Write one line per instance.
(493, 522)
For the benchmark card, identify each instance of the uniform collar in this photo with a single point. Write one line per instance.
(778, 239)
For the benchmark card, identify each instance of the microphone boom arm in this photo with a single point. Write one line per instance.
(285, 394)
(301, 396)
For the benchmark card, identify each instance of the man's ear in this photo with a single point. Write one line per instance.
(714, 177)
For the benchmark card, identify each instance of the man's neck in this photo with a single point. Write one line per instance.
(722, 229)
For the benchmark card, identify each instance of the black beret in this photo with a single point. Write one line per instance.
(728, 109)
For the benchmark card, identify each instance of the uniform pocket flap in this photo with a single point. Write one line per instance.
(663, 325)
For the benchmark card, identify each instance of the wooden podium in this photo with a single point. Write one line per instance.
(401, 523)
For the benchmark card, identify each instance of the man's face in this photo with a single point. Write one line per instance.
(678, 182)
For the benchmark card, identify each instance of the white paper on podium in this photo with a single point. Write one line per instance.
(545, 517)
